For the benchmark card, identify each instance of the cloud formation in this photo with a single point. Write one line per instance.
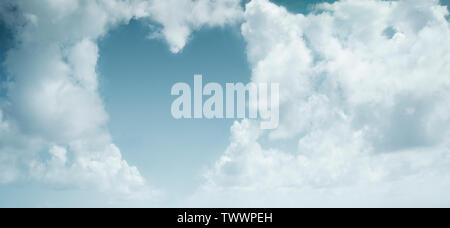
(180, 17)
(53, 105)
(364, 100)
(52, 122)
(364, 108)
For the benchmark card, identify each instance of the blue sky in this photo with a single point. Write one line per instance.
(139, 71)
(326, 142)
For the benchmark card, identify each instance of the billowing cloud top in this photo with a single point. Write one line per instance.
(364, 107)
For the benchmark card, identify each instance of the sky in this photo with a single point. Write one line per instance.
(85, 112)
(148, 129)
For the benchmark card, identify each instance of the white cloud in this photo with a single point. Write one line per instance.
(180, 17)
(364, 100)
(53, 104)
(348, 89)
(53, 97)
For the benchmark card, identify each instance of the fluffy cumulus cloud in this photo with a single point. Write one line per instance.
(180, 17)
(364, 100)
(53, 125)
(53, 106)
(364, 105)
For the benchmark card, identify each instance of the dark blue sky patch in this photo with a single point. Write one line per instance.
(300, 6)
